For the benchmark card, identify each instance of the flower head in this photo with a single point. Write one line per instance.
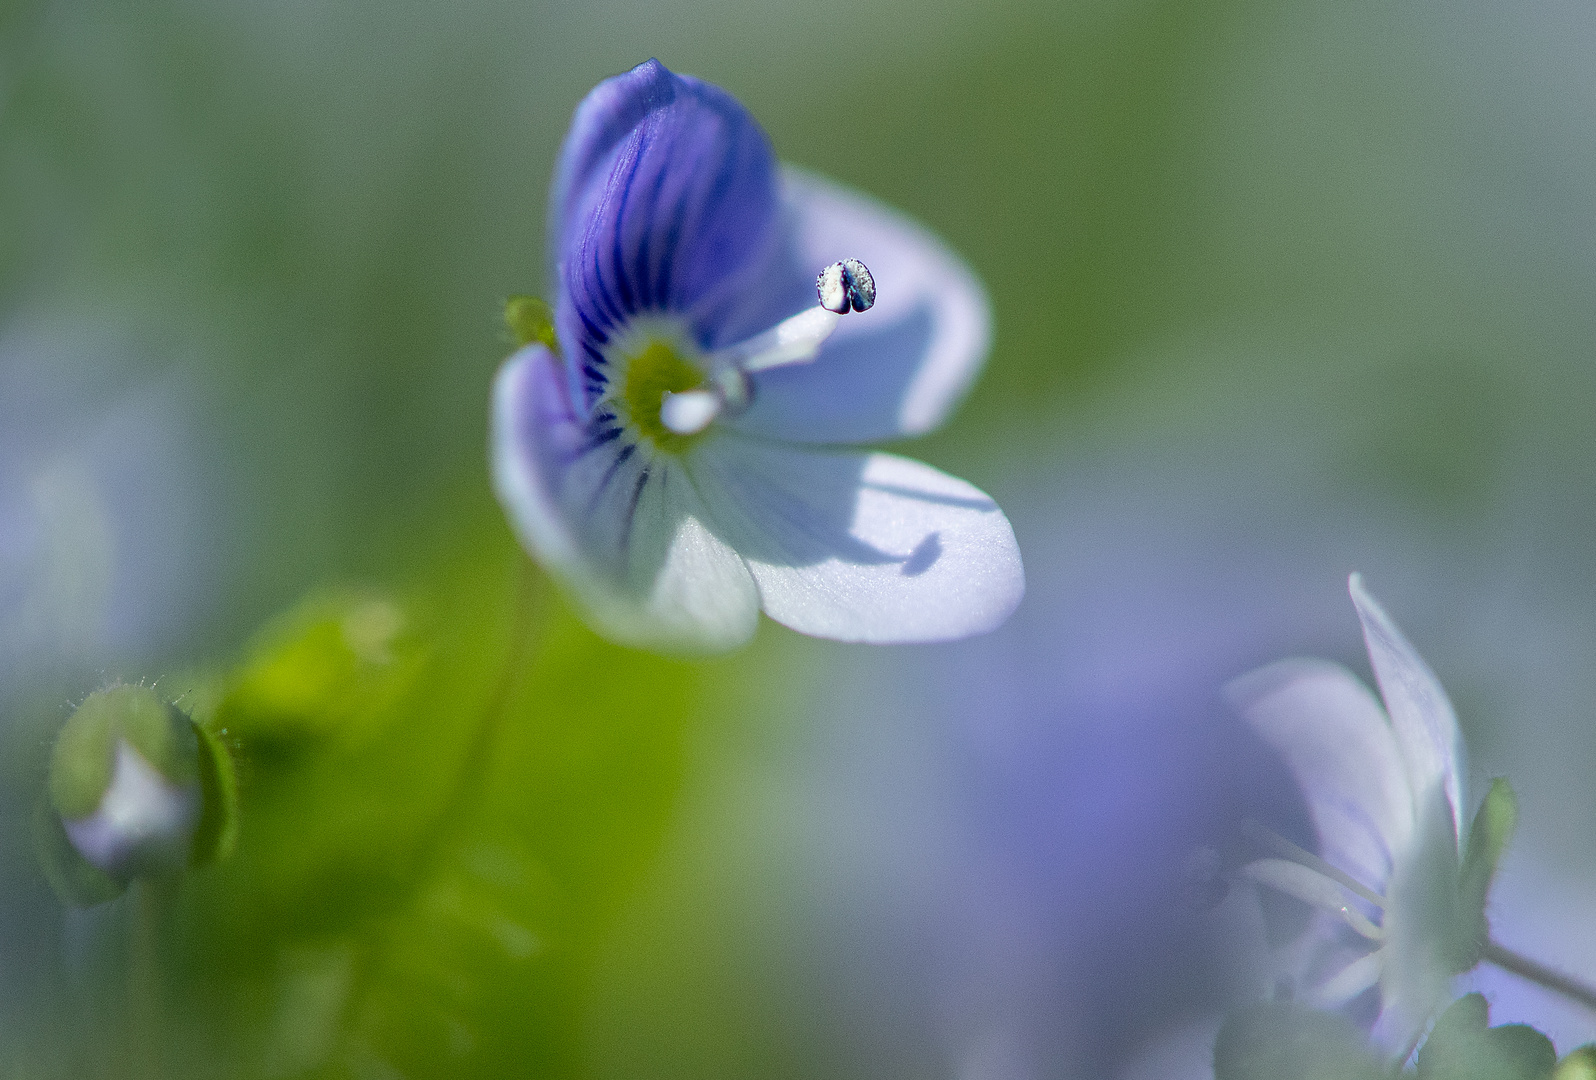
(1384, 790)
(673, 461)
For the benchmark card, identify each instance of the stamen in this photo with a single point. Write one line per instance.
(1279, 846)
(846, 285)
(1349, 982)
(1360, 922)
(735, 389)
(690, 411)
(1294, 879)
(792, 341)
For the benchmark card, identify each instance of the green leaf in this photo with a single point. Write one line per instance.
(530, 319)
(1488, 839)
(216, 833)
(1580, 1064)
(439, 819)
(332, 666)
(1462, 1047)
(1280, 1039)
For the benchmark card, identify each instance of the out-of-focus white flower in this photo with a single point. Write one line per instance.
(1384, 788)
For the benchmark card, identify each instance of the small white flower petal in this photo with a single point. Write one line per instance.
(861, 546)
(622, 529)
(897, 369)
(1421, 715)
(1338, 744)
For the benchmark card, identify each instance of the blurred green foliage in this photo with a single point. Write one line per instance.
(444, 795)
(1578, 1065)
(1280, 1039)
(1276, 1039)
(1462, 1047)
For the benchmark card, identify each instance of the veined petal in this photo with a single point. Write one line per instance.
(622, 529)
(895, 370)
(861, 546)
(664, 201)
(1341, 750)
(1421, 715)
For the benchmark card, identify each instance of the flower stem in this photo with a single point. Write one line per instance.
(479, 754)
(1536, 972)
(144, 981)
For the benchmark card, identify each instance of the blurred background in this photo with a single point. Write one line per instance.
(1282, 289)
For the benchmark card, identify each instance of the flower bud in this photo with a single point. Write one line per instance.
(135, 788)
(124, 779)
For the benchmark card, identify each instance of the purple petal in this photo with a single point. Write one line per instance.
(664, 201)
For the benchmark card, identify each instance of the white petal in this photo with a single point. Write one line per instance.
(897, 369)
(1426, 728)
(623, 530)
(1337, 743)
(860, 546)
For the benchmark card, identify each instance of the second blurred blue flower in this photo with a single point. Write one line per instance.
(1384, 787)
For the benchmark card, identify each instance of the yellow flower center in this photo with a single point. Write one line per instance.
(649, 374)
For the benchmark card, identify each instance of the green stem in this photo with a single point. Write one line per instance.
(1539, 973)
(479, 755)
(432, 845)
(144, 1011)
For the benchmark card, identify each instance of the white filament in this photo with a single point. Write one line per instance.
(792, 341)
(1360, 922)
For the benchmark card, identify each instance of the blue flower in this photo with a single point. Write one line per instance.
(675, 462)
(1384, 787)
